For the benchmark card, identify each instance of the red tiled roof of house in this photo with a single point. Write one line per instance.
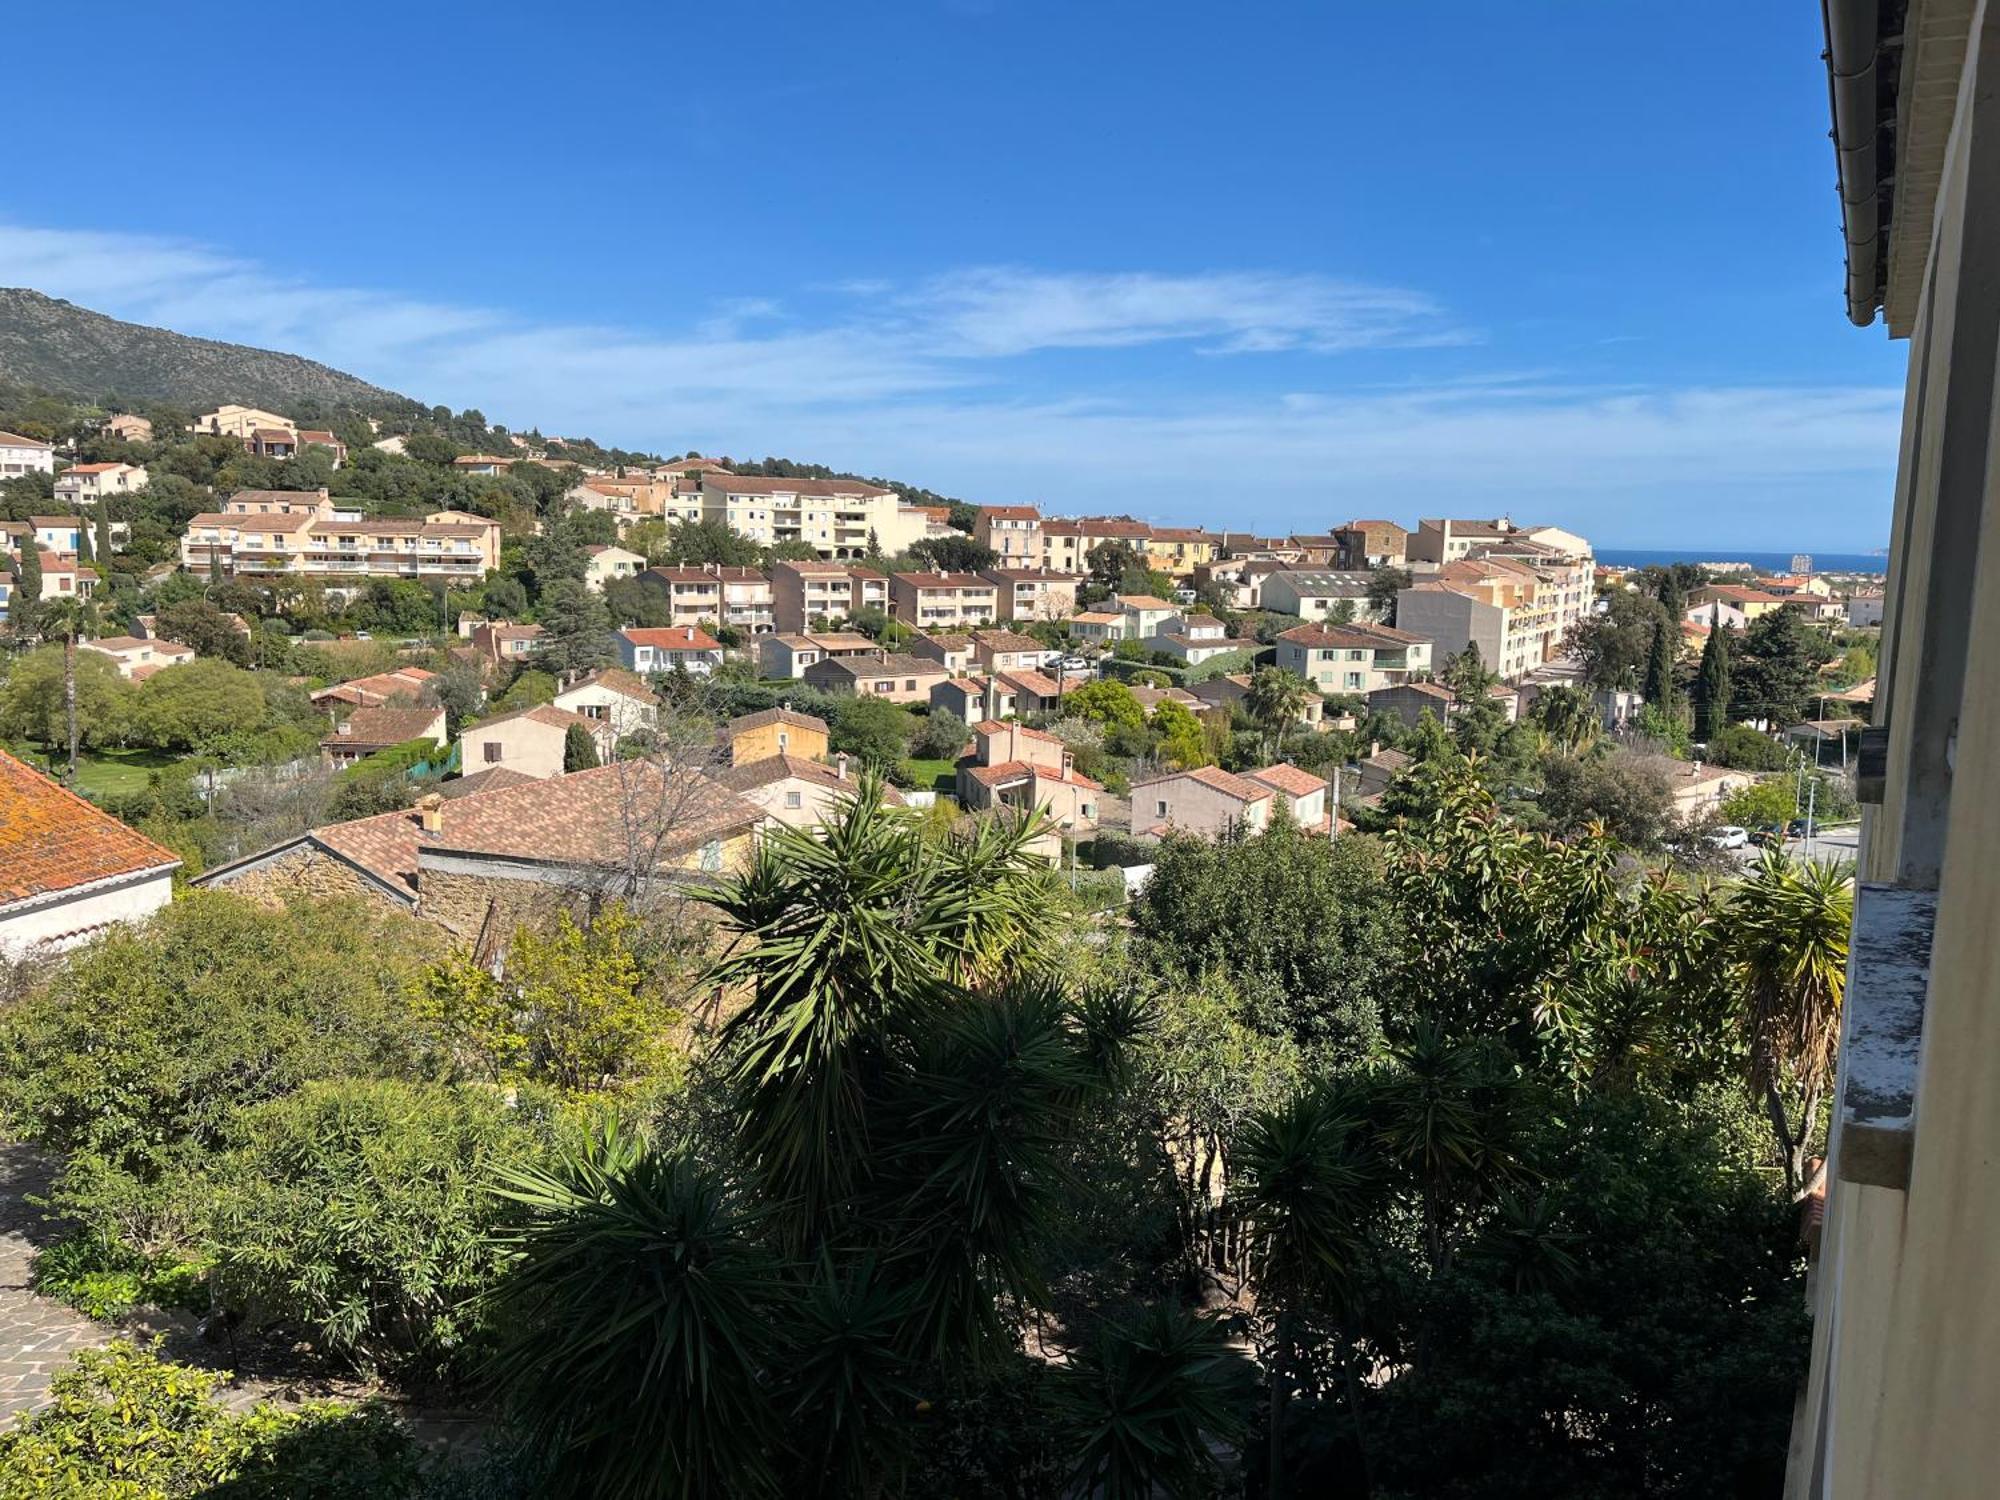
(756, 773)
(1011, 512)
(1289, 779)
(539, 713)
(617, 680)
(1218, 779)
(760, 484)
(1336, 636)
(1142, 601)
(92, 469)
(995, 726)
(945, 581)
(51, 840)
(384, 725)
(766, 717)
(15, 440)
(672, 638)
(489, 780)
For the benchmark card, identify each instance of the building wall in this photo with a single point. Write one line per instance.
(621, 715)
(1449, 620)
(527, 746)
(1193, 807)
(767, 740)
(57, 925)
(304, 871)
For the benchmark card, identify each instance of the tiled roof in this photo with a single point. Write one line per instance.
(884, 666)
(772, 768)
(1142, 601)
(385, 725)
(757, 484)
(51, 840)
(763, 718)
(15, 440)
(591, 817)
(673, 638)
(618, 680)
(1330, 635)
(944, 580)
(1216, 778)
(1289, 779)
(995, 726)
(1011, 512)
(539, 713)
(1007, 640)
(489, 780)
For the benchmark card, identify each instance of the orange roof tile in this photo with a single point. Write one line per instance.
(51, 840)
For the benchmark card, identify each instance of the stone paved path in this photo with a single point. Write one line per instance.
(37, 1334)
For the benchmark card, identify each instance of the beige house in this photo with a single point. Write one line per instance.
(86, 484)
(805, 596)
(1068, 543)
(139, 658)
(380, 727)
(943, 601)
(668, 648)
(1031, 593)
(240, 422)
(1207, 802)
(529, 740)
(125, 426)
(1013, 766)
(1366, 545)
(1012, 531)
(797, 792)
(1196, 639)
(775, 731)
(1352, 659)
(610, 565)
(741, 598)
(1006, 651)
(837, 518)
(900, 679)
(788, 656)
(1299, 792)
(617, 700)
(272, 535)
(1698, 790)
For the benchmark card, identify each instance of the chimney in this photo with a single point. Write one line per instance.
(344, 727)
(430, 815)
(1374, 748)
(993, 695)
(840, 765)
(1068, 764)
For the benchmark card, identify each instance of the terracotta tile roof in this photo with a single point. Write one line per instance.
(1218, 779)
(403, 682)
(489, 780)
(1288, 779)
(384, 725)
(995, 726)
(945, 581)
(872, 666)
(1011, 512)
(1007, 640)
(590, 817)
(763, 718)
(945, 642)
(92, 469)
(15, 440)
(1039, 683)
(1097, 617)
(51, 840)
(772, 768)
(1115, 527)
(757, 484)
(539, 713)
(1335, 636)
(673, 638)
(1142, 601)
(618, 680)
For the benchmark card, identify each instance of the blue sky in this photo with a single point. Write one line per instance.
(1260, 265)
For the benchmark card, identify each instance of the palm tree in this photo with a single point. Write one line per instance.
(68, 618)
(1569, 718)
(1276, 699)
(1308, 1185)
(1787, 935)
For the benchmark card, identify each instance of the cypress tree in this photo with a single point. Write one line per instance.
(104, 530)
(22, 610)
(1659, 685)
(579, 750)
(1712, 687)
(1673, 598)
(83, 552)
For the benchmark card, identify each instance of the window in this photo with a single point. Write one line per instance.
(794, 799)
(1160, 809)
(784, 742)
(492, 750)
(711, 855)
(909, 684)
(885, 686)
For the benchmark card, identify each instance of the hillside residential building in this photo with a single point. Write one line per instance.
(933, 601)
(773, 732)
(1352, 659)
(530, 740)
(1067, 544)
(787, 656)
(121, 425)
(1100, 627)
(84, 485)
(610, 565)
(741, 598)
(795, 791)
(1517, 614)
(807, 596)
(1410, 701)
(1196, 639)
(900, 679)
(62, 578)
(1013, 766)
(483, 862)
(1743, 603)
(1144, 614)
(1012, 531)
(619, 701)
(1022, 595)
(1207, 802)
(367, 730)
(136, 658)
(69, 870)
(270, 535)
(240, 422)
(504, 641)
(1179, 550)
(24, 455)
(382, 687)
(1864, 610)
(1299, 792)
(1366, 545)
(837, 518)
(1698, 789)
(667, 648)
(483, 463)
(1313, 593)
(998, 695)
(1226, 690)
(1005, 651)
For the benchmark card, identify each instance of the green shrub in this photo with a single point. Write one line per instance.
(360, 1210)
(125, 1424)
(1742, 748)
(105, 1280)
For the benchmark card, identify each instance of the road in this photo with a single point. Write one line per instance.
(1828, 846)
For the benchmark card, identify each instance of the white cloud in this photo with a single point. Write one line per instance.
(927, 383)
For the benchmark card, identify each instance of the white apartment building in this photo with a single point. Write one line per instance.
(86, 484)
(24, 455)
(1517, 613)
(837, 518)
(276, 535)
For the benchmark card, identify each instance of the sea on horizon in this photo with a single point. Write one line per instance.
(1763, 562)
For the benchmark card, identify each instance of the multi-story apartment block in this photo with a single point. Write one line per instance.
(240, 422)
(1353, 658)
(742, 598)
(1179, 550)
(24, 455)
(1012, 531)
(837, 518)
(1067, 544)
(934, 601)
(1370, 544)
(1516, 614)
(86, 484)
(1024, 594)
(277, 535)
(805, 592)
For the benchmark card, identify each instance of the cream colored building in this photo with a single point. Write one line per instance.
(1905, 1376)
(529, 740)
(1067, 543)
(275, 535)
(24, 455)
(86, 484)
(610, 565)
(241, 422)
(1209, 802)
(837, 518)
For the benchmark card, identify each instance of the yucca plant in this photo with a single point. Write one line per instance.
(1787, 934)
(637, 1317)
(1142, 1403)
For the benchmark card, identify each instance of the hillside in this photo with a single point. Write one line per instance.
(57, 346)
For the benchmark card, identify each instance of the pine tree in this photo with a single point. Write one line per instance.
(1659, 685)
(1712, 687)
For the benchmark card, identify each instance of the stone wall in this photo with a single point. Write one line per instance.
(305, 871)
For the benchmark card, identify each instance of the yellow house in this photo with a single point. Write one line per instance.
(775, 731)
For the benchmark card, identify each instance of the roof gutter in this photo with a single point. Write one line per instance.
(1852, 49)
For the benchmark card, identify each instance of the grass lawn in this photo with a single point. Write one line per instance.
(929, 775)
(101, 773)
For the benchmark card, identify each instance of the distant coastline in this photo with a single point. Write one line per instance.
(1764, 562)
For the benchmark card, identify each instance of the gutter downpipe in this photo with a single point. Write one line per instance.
(1852, 32)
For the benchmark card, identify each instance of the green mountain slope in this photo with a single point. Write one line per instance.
(57, 346)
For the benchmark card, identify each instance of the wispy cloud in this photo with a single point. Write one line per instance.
(949, 382)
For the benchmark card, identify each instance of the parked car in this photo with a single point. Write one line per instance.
(1729, 836)
(1074, 664)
